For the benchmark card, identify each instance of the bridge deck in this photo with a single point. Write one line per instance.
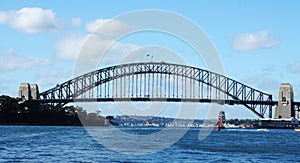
(193, 100)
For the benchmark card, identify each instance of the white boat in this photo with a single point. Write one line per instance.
(230, 126)
(151, 124)
(262, 129)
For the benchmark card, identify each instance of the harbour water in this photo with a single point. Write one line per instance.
(74, 144)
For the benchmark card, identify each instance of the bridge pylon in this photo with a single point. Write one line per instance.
(285, 106)
(28, 91)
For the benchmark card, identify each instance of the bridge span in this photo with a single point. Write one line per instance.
(158, 81)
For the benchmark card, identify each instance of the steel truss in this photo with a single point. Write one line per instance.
(158, 81)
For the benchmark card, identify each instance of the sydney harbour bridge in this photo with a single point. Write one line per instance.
(160, 81)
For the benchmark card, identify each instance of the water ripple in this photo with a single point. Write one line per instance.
(73, 144)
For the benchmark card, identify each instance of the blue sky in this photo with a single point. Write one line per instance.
(258, 41)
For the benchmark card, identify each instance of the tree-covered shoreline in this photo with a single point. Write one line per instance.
(14, 111)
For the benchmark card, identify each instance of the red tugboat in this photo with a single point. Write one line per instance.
(220, 124)
(218, 128)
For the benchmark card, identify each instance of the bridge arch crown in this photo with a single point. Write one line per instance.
(157, 81)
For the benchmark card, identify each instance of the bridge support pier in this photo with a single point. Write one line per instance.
(270, 111)
(28, 91)
(285, 107)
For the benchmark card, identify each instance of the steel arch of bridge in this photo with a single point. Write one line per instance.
(158, 81)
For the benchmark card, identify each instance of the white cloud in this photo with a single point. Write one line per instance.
(11, 61)
(106, 51)
(107, 27)
(294, 68)
(254, 41)
(31, 20)
(76, 22)
(91, 47)
(51, 77)
(268, 70)
(69, 47)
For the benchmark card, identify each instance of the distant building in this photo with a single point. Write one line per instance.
(28, 91)
(282, 123)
